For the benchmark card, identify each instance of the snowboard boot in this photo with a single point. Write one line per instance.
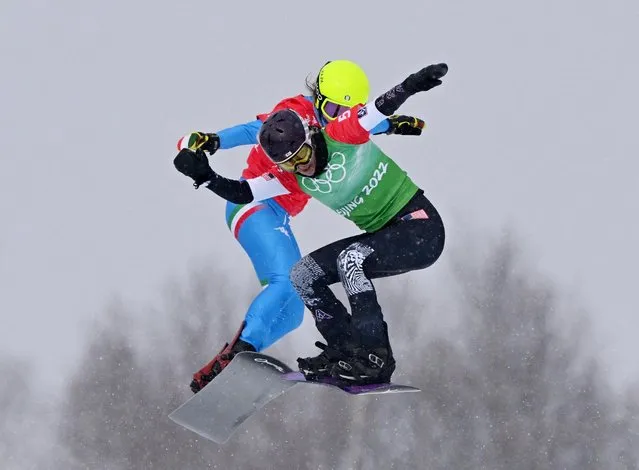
(315, 368)
(365, 366)
(207, 373)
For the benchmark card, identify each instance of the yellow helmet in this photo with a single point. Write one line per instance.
(341, 84)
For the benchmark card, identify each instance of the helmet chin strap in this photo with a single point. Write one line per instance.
(321, 152)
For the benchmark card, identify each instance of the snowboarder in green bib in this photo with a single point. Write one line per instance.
(341, 167)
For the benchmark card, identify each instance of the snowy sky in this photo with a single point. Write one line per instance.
(533, 129)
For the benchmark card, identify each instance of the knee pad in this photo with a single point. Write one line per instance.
(350, 266)
(303, 275)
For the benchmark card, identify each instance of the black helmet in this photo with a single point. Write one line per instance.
(283, 134)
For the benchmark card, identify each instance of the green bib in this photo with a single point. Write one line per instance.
(361, 183)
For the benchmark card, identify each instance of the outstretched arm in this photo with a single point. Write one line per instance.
(399, 125)
(385, 105)
(195, 165)
(381, 128)
(242, 134)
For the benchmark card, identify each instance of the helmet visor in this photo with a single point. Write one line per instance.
(301, 157)
(331, 110)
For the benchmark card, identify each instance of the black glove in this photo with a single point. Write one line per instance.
(426, 78)
(207, 142)
(405, 125)
(195, 165)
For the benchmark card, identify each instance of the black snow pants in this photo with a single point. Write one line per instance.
(412, 240)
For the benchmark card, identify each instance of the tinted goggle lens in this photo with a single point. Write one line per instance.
(301, 157)
(331, 110)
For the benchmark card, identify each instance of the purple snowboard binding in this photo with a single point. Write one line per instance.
(368, 389)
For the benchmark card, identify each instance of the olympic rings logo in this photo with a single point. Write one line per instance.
(335, 173)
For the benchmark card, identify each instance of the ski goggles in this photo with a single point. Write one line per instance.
(329, 109)
(302, 155)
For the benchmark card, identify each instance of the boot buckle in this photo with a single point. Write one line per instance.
(376, 360)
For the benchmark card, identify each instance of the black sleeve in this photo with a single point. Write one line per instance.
(427, 78)
(390, 101)
(235, 191)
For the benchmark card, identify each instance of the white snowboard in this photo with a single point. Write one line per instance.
(249, 382)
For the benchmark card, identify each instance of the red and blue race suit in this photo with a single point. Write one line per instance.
(263, 230)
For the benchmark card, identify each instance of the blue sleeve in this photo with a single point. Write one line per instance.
(381, 128)
(242, 134)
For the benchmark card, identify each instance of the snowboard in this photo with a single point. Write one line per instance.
(250, 381)
(370, 389)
